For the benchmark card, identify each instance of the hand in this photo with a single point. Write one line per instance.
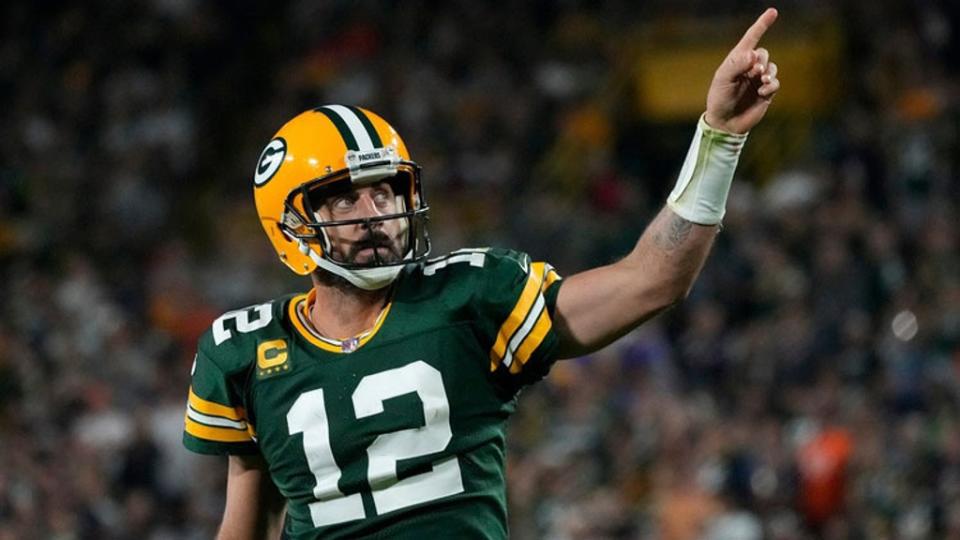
(745, 82)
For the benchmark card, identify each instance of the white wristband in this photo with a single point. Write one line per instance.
(700, 195)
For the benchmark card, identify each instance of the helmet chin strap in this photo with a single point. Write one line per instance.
(368, 279)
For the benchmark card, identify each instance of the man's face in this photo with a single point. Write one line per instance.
(361, 243)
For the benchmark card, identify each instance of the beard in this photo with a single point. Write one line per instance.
(374, 249)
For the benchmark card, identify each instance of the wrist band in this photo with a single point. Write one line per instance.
(700, 195)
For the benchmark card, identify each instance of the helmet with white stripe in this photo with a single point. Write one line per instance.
(335, 149)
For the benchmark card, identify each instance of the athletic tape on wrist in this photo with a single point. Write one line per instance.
(700, 195)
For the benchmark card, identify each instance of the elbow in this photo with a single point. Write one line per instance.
(674, 294)
(671, 303)
(654, 298)
(683, 292)
(664, 286)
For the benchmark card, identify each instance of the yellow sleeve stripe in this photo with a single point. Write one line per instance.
(209, 407)
(532, 341)
(548, 279)
(217, 434)
(547, 272)
(529, 295)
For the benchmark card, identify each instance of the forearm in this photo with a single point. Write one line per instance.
(256, 523)
(254, 508)
(601, 305)
(670, 254)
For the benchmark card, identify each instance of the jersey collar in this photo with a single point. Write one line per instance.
(299, 310)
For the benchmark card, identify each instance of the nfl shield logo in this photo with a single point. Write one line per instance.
(349, 345)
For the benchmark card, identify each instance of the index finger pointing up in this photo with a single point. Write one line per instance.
(752, 37)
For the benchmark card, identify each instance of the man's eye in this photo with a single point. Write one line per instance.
(381, 197)
(342, 203)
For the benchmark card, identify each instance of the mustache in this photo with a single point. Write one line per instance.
(373, 240)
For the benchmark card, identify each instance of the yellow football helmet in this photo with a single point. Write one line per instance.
(336, 148)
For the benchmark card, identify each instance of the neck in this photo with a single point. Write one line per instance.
(341, 310)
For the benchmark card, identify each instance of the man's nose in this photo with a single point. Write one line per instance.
(367, 208)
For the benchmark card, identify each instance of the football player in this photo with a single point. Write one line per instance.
(375, 404)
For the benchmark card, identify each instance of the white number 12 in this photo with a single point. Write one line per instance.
(308, 415)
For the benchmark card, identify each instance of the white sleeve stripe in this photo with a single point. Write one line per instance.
(215, 421)
(524, 329)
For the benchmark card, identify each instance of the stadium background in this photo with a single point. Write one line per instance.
(807, 388)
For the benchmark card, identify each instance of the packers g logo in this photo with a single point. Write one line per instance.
(272, 357)
(270, 161)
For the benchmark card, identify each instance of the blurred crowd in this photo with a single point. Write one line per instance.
(808, 388)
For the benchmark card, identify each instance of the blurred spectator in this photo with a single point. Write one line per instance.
(823, 463)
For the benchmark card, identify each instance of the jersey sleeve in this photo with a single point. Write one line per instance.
(517, 304)
(215, 421)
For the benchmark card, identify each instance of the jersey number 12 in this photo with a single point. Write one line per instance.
(308, 415)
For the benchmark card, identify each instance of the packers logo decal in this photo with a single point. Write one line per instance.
(270, 161)
(272, 357)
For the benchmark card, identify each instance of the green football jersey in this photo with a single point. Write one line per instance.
(397, 433)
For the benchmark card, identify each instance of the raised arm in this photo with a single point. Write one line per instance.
(254, 509)
(600, 305)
